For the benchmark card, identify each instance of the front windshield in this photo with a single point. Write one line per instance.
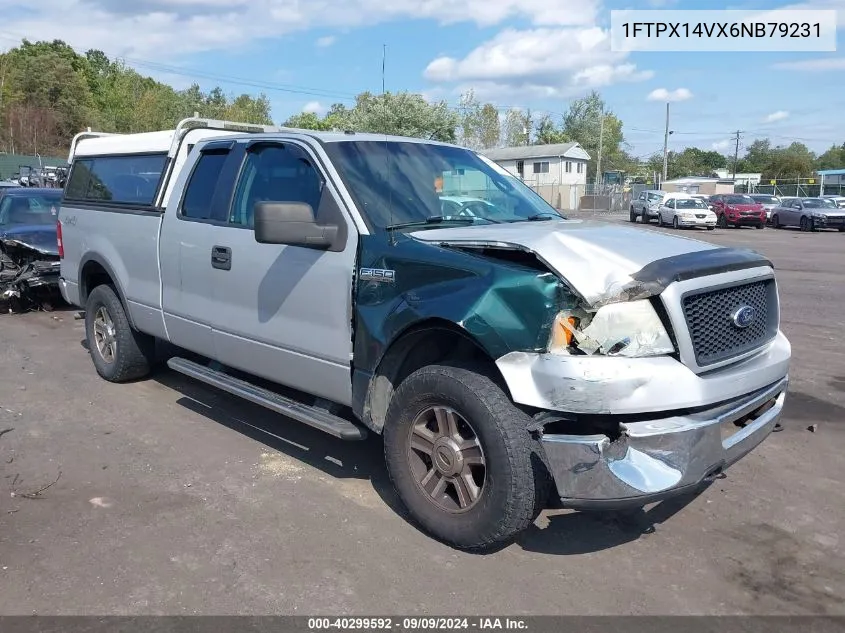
(739, 200)
(684, 203)
(655, 196)
(29, 210)
(397, 182)
(819, 203)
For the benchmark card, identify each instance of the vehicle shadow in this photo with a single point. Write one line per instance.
(336, 458)
(561, 533)
(570, 533)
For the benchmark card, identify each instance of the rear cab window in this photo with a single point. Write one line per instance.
(130, 181)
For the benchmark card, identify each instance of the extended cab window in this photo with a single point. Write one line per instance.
(127, 180)
(275, 173)
(200, 190)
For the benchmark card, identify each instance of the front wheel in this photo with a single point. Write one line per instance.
(722, 222)
(633, 215)
(805, 224)
(119, 352)
(461, 459)
(675, 222)
(761, 226)
(776, 222)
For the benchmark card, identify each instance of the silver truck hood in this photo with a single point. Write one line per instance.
(597, 259)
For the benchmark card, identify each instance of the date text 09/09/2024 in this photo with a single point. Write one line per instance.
(416, 624)
(722, 29)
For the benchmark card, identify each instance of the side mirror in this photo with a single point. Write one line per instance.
(293, 224)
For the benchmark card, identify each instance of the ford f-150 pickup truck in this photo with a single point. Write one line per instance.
(510, 358)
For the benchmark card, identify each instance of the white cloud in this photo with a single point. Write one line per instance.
(314, 107)
(721, 146)
(820, 64)
(780, 115)
(541, 62)
(662, 94)
(163, 29)
(326, 41)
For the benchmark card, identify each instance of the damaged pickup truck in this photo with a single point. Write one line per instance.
(29, 252)
(512, 359)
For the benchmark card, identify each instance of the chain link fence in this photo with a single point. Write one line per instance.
(586, 197)
(801, 188)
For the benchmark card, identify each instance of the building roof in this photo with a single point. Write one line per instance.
(524, 152)
(831, 172)
(691, 180)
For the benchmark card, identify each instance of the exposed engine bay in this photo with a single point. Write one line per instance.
(29, 277)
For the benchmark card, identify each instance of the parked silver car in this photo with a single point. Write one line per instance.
(837, 199)
(768, 201)
(647, 205)
(810, 214)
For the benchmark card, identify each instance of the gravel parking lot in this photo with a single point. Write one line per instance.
(175, 498)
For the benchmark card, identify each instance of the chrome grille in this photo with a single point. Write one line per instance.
(709, 317)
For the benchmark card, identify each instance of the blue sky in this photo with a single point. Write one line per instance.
(308, 54)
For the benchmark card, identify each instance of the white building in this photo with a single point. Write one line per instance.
(537, 165)
(742, 180)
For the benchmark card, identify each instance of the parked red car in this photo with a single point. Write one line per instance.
(736, 209)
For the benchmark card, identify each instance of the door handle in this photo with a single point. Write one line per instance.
(221, 257)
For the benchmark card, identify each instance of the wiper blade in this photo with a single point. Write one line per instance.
(540, 217)
(439, 219)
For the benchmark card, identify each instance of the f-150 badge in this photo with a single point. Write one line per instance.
(377, 274)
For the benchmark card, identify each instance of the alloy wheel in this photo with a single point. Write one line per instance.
(446, 459)
(105, 337)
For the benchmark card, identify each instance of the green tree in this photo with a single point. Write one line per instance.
(794, 161)
(307, 121)
(834, 158)
(516, 128)
(490, 127)
(547, 133)
(583, 123)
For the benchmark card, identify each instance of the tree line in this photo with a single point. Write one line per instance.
(49, 92)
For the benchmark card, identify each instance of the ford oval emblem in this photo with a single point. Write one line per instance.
(744, 316)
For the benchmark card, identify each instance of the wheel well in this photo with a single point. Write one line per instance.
(429, 343)
(93, 275)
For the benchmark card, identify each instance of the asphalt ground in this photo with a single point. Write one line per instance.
(174, 498)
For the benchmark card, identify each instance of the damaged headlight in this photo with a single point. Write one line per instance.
(631, 329)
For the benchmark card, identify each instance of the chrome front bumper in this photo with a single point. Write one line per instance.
(657, 459)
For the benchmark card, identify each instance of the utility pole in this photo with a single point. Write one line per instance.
(736, 151)
(665, 146)
(601, 144)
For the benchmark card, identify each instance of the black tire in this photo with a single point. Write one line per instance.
(135, 352)
(645, 219)
(842, 229)
(805, 224)
(515, 483)
(722, 222)
(675, 222)
(776, 222)
(633, 215)
(761, 226)
(711, 228)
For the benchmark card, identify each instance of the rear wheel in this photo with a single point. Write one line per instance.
(119, 352)
(461, 459)
(722, 222)
(633, 215)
